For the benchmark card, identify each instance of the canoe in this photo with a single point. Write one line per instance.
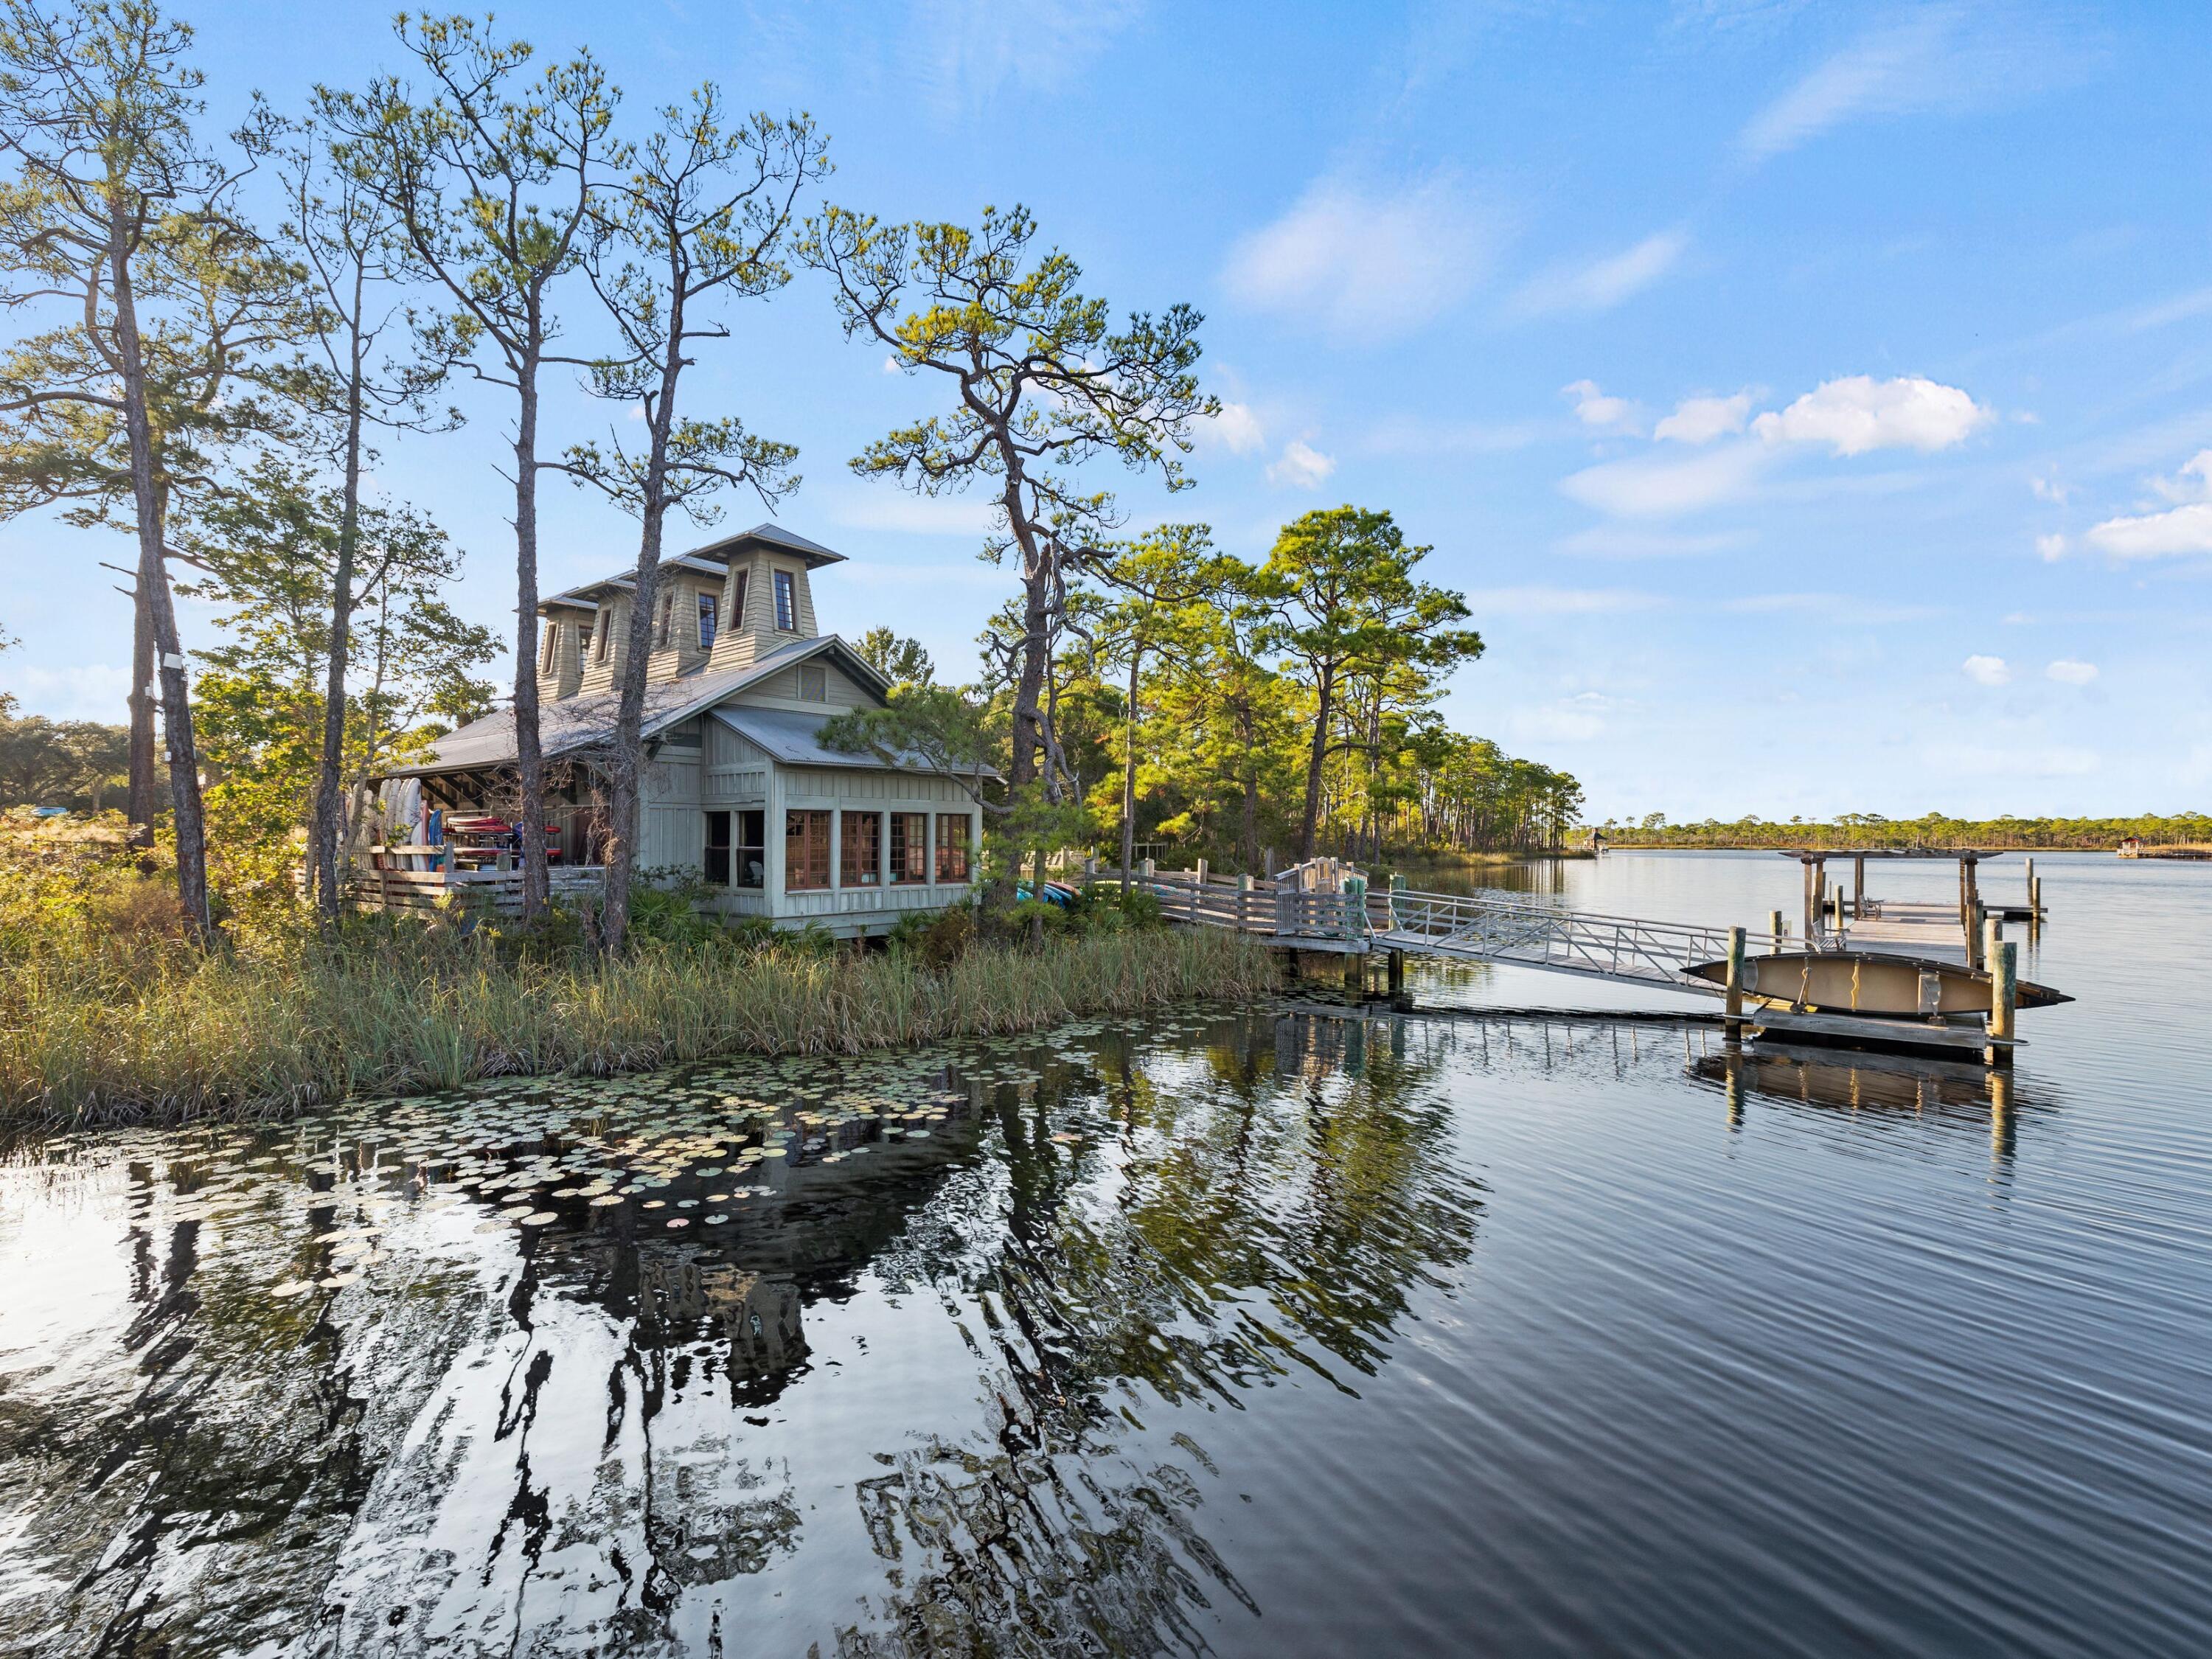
(1869, 982)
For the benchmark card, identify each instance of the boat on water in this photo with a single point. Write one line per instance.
(1870, 982)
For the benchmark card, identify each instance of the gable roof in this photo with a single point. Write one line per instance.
(568, 724)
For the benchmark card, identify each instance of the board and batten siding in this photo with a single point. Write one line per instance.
(736, 773)
(891, 791)
(781, 691)
(673, 834)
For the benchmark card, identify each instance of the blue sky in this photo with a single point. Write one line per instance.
(1815, 403)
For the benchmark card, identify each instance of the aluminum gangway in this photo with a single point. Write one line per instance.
(1463, 926)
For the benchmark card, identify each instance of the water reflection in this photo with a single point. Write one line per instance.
(888, 1357)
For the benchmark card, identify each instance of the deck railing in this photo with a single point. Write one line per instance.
(424, 891)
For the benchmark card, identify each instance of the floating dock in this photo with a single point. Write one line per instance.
(1948, 965)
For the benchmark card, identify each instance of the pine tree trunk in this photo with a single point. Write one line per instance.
(1324, 693)
(139, 802)
(153, 586)
(1129, 775)
(323, 838)
(529, 758)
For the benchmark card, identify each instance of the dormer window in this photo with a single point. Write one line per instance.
(786, 604)
(707, 604)
(660, 626)
(551, 646)
(606, 633)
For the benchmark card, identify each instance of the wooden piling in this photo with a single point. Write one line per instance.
(1734, 984)
(2004, 994)
(1858, 886)
(1396, 961)
(1774, 926)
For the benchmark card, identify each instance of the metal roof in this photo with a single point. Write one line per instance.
(713, 556)
(792, 738)
(567, 724)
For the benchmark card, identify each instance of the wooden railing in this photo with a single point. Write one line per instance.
(424, 891)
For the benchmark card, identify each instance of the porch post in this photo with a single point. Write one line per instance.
(772, 861)
(974, 840)
(884, 849)
(837, 848)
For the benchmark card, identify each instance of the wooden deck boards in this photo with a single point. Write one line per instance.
(1928, 931)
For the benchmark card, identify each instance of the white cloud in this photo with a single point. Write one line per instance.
(2052, 547)
(1237, 428)
(1365, 264)
(1937, 59)
(1301, 466)
(1604, 283)
(1647, 487)
(1701, 420)
(2045, 487)
(2067, 672)
(1859, 413)
(890, 364)
(1987, 670)
(2183, 529)
(1593, 407)
(2156, 535)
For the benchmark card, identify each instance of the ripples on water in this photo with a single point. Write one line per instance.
(1294, 1331)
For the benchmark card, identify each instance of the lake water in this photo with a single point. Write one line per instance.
(1287, 1331)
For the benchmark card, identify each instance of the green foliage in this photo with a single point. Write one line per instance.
(74, 763)
(901, 661)
(1932, 830)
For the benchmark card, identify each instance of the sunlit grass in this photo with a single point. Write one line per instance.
(87, 1038)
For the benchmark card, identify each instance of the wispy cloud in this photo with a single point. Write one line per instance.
(1835, 607)
(1363, 263)
(1936, 60)
(1612, 541)
(88, 691)
(2068, 672)
(1986, 670)
(1540, 601)
(1406, 435)
(1601, 284)
(970, 51)
(1655, 487)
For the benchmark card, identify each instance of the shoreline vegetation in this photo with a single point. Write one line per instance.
(1869, 832)
(86, 1041)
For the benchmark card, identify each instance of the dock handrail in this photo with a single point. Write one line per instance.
(1476, 927)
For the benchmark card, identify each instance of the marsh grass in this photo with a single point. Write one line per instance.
(88, 1037)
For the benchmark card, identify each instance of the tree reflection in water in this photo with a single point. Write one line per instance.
(603, 1433)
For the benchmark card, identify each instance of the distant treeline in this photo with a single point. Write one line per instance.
(1870, 830)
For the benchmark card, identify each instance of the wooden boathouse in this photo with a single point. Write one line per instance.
(738, 790)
